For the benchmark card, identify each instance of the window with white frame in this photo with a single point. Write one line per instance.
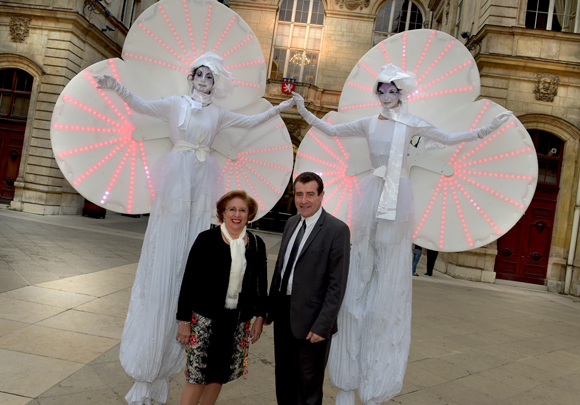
(397, 16)
(298, 40)
(458, 19)
(553, 15)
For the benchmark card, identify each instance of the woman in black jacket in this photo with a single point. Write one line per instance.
(223, 288)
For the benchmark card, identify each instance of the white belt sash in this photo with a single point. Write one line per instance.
(198, 150)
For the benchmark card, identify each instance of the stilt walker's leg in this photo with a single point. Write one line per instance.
(386, 328)
(344, 352)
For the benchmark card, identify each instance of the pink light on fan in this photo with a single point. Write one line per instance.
(460, 213)
(208, 19)
(256, 196)
(442, 77)
(78, 104)
(132, 179)
(437, 60)
(266, 164)
(440, 93)
(246, 84)
(245, 64)
(420, 61)
(224, 34)
(366, 105)
(245, 41)
(90, 147)
(146, 168)
(404, 53)
(170, 49)
(385, 54)
(318, 160)
(368, 69)
(326, 149)
(100, 163)
(260, 177)
(116, 76)
(359, 86)
(191, 40)
(158, 62)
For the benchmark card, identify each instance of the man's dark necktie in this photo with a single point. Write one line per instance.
(292, 258)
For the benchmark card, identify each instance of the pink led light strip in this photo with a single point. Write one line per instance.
(100, 163)
(266, 164)
(146, 168)
(245, 41)
(90, 110)
(160, 41)
(132, 179)
(420, 61)
(327, 149)
(461, 216)
(477, 208)
(318, 160)
(404, 53)
(116, 75)
(440, 93)
(420, 79)
(90, 147)
(443, 77)
(360, 86)
(158, 62)
(260, 177)
(491, 191)
(208, 19)
(176, 37)
(385, 53)
(188, 19)
(245, 64)
(224, 34)
(365, 105)
(368, 69)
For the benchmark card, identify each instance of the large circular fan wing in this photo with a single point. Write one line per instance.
(171, 34)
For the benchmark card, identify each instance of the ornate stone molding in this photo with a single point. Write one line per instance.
(353, 4)
(447, 8)
(546, 87)
(19, 29)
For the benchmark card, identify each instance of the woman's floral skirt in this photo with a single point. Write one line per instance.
(217, 350)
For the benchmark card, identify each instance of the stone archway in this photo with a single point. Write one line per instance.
(27, 66)
(564, 211)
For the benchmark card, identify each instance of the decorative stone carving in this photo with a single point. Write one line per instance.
(353, 4)
(546, 87)
(447, 8)
(19, 29)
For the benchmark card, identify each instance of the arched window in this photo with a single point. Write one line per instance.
(553, 15)
(15, 92)
(397, 16)
(298, 40)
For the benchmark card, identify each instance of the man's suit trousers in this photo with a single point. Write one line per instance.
(300, 364)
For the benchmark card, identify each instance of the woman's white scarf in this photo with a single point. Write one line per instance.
(190, 105)
(238, 268)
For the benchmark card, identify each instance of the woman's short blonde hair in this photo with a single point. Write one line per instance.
(241, 194)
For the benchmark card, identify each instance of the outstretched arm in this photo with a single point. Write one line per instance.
(156, 108)
(231, 119)
(443, 137)
(350, 129)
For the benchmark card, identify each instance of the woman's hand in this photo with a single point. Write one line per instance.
(256, 331)
(286, 104)
(105, 82)
(298, 100)
(500, 119)
(183, 332)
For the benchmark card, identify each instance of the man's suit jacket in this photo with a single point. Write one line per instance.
(320, 275)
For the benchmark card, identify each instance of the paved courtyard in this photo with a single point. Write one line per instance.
(65, 283)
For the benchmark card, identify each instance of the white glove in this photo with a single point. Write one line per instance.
(286, 104)
(497, 121)
(298, 100)
(109, 82)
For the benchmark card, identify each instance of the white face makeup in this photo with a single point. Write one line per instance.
(203, 80)
(388, 95)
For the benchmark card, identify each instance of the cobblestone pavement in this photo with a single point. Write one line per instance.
(65, 284)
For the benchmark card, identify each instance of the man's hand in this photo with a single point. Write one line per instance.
(314, 338)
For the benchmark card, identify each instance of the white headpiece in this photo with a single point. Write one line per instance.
(223, 81)
(404, 81)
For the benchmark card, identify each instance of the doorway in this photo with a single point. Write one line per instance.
(15, 91)
(523, 252)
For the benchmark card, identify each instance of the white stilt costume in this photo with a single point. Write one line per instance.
(369, 353)
(122, 167)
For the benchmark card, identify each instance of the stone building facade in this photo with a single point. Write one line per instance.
(43, 45)
(528, 54)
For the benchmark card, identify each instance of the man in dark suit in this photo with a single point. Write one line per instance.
(306, 292)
